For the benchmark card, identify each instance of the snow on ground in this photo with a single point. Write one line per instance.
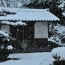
(30, 59)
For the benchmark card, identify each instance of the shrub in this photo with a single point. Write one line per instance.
(58, 55)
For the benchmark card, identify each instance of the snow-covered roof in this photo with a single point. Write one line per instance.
(29, 15)
(13, 23)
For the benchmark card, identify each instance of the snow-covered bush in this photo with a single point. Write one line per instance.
(58, 54)
(58, 33)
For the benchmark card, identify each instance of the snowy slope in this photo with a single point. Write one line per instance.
(30, 59)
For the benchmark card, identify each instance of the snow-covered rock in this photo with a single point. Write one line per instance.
(58, 53)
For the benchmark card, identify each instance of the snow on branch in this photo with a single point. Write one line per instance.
(57, 33)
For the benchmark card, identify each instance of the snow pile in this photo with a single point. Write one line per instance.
(4, 33)
(58, 53)
(13, 23)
